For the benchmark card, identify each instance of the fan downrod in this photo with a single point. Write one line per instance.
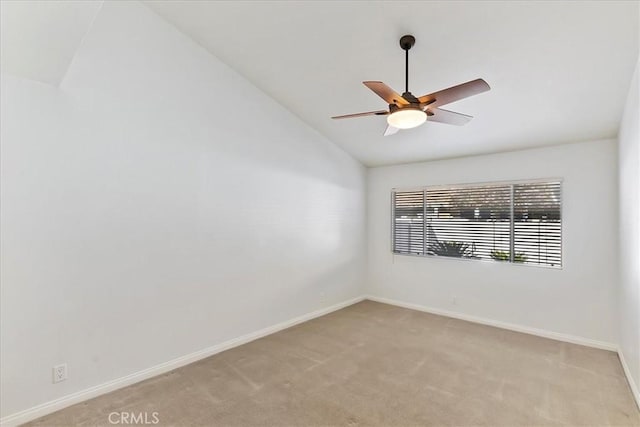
(407, 42)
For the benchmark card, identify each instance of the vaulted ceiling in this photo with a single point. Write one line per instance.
(559, 71)
(40, 37)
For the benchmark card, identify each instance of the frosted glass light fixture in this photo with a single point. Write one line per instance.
(406, 118)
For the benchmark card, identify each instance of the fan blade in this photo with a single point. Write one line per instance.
(390, 130)
(369, 113)
(448, 117)
(455, 93)
(386, 93)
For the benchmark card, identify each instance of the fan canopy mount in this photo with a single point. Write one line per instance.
(407, 42)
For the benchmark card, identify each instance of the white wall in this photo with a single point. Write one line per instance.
(578, 300)
(629, 238)
(157, 204)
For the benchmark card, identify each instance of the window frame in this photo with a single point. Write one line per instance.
(481, 184)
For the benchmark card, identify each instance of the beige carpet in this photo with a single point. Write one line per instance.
(377, 365)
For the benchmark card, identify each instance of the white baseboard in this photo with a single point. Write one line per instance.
(498, 324)
(632, 384)
(80, 396)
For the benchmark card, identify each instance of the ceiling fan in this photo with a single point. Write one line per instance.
(406, 111)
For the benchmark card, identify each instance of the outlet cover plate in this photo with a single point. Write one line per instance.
(59, 373)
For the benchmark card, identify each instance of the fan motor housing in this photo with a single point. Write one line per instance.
(409, 97)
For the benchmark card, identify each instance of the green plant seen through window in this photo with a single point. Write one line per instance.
(504, 256)
(452, 249)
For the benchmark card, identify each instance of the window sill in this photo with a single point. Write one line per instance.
(481, 260)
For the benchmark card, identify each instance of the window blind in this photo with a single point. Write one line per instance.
(518, 222)
(408, 223)
(471, 221)
(537, 223)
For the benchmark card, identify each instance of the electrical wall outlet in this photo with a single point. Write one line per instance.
(454, 300)
(59, 373)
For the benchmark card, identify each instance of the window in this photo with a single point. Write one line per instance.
(514, 222)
